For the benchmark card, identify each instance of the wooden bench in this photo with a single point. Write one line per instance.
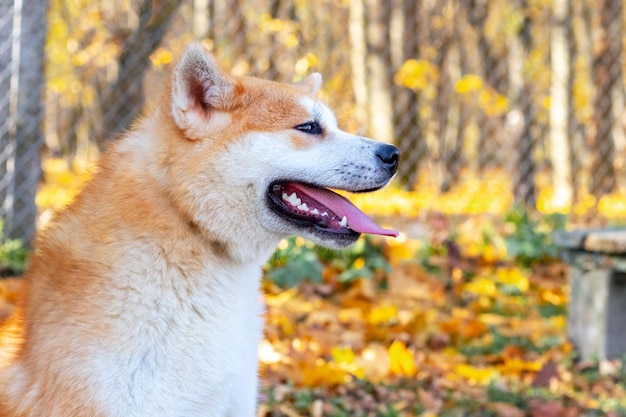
(597, 302)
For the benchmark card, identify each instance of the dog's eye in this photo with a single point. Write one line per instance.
(312, 128)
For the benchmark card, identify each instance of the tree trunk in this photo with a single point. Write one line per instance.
(200, 23)
(521, 116)
(379, 108)
(579, 128)
(237, 29)
(278, 53)
(458, 66)
(607, 74)
(357, 61)
(560, 104)
(408, 134)
(494, 71)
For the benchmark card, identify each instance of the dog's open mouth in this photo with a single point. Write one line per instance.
(323, 209)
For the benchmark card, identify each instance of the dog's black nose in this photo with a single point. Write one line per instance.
(389, 155)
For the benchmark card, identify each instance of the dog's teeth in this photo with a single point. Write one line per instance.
(315, 211)
(325, 214)
(285, 196)
(303, 207)
(293, 199)
(296, 200)
(344, 222)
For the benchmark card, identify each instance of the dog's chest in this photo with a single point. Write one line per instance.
(187, 349)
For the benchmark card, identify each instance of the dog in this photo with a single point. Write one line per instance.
(143, 296)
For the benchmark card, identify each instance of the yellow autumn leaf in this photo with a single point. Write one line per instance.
(585, 202)
(516, 366)
(81, 58)
(290, 40)
(382, 315)
(57, 84)
(416, 74)
(402, 249)
(284, 324)
(161, 57)
(482, 376)
(359, 263)
(473, 249)
(323, 374)
(612, 205)
(513, 277)
(464, 328)
(54, 197)
(343, 355)
(558, 322)
(401, 360)
(468, 83)
(553, 296)
(304, 64)
(54, 165)
(593, 403)
(493, 253)
(274, 25)
(57, 29)
(481, 286)
(492, 103)
(282, 298)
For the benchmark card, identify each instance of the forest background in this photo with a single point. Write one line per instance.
(510, 116)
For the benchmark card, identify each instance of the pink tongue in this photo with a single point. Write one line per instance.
(341, 206)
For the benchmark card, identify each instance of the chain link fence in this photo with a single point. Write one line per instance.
(528, 90)
(22, 39)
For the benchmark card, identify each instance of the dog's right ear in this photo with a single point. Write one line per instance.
(310, 84)
(200, 92)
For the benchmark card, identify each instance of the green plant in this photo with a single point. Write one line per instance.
(303, 399)
(500, 342)
(500, 395)
(530, 240)
(297, 259)
(430, 250)
(362, 260)
(294, 261)
(13, 255)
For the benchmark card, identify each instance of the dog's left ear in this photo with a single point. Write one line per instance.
(310, 85)
(200, 92)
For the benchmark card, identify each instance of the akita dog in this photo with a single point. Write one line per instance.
(142, 297)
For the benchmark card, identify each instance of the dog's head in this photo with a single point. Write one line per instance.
(259, 158)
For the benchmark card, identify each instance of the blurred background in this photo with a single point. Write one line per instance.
(492, 102)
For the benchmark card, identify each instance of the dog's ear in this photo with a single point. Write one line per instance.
(310, 84)
(200, 92)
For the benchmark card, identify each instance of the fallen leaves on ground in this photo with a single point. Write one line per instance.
(410, 345)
